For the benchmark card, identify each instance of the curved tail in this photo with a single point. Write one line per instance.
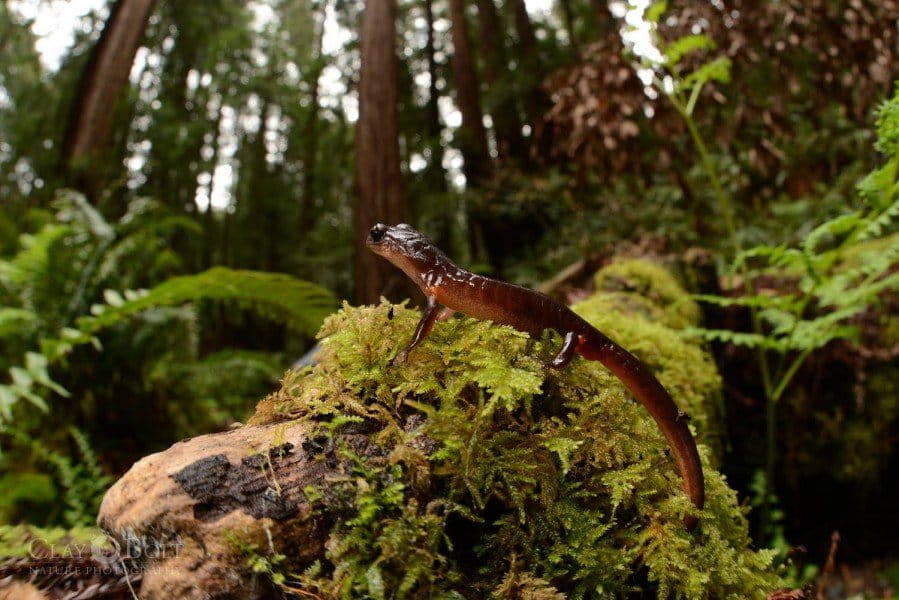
(670, 419)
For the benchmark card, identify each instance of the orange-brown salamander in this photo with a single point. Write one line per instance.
(443, 282)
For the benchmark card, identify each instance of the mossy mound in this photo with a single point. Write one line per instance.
(499, 478)
(686, 370)
(650, 281)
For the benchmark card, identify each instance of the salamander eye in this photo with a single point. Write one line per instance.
(377, 232)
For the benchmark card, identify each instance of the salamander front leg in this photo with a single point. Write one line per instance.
(421, 332)
(566, 353)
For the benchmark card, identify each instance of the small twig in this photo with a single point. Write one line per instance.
(830, 564)
(127, 578)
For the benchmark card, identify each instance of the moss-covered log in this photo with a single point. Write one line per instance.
(470, 471)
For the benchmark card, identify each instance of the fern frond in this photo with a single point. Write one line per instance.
(15, 321)
(882, 221)
(300, 305)
(749, 340)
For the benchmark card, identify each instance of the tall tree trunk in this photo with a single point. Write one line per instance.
(209, 222)
(310, 130)
(605, 22)
(536, 102)
(473, 142)
(435, 174)
(89, 130)
(568, 17)
(506, 121)
(380, 195)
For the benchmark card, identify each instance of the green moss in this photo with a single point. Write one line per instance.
(24, 541)
(499, 475)
(684, 368)
(654, 283)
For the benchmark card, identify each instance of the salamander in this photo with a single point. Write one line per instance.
(445, 283)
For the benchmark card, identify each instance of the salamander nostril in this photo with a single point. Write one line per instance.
(377, 232)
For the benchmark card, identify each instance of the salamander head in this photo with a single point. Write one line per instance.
(406, 248)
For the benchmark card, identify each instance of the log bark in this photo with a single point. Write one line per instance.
(380, 193)
(183, 513)
(89, 131)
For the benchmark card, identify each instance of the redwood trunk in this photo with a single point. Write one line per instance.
(605, 22)
(89, 131)
(536, 103)
(506, 121)
(310, 141)
(473, 139)
(432, 109)
(568, 17)
(380, 196)
(436, 174)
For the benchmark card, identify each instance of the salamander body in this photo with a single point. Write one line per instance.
(445, 283)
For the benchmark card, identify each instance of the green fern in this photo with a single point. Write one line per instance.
(300, 305)
(840, 270)
(82, 483)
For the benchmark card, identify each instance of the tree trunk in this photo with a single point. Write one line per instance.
(536, 102)
(380, 196)
(209, 223)
(89, 131)
(436, 175)
(506, 120)
(473, 139)
(568, 17)
(605, 22)
(310, 137)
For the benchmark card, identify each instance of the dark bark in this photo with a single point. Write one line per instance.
(473, 138)
(209, 224)
(536, 102)
(436, 174)
(89, 131)
(526, 39)
(604, 20)
(568, 17)
(506, 121)
(380, 194)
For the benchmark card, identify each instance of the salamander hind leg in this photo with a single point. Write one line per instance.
(566, 352)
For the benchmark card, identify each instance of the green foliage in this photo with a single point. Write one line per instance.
(888, 126)
(82, 482)
(298, 304)
(26, 541)
(838, 271)
(560, 471)
(59, 295)
(33, 279)
(268, 564)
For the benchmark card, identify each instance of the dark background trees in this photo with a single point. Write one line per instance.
(523, 137)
